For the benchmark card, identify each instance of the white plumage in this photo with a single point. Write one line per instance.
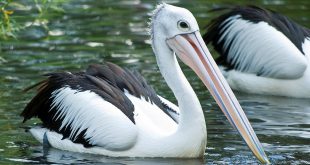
(262, 52)
(253, 50)
(105, 125)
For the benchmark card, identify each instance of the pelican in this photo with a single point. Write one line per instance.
(112, 111)
(262, 52)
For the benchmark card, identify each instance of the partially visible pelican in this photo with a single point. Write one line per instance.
(112, 111)
(262, 52)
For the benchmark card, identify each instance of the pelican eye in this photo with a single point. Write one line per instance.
(183, 25)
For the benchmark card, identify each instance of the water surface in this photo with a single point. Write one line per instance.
(90, 31)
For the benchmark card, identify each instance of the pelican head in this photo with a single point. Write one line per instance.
(175, 32)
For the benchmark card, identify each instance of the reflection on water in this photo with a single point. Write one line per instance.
(51, 155)
(293, 113)
(92, 31)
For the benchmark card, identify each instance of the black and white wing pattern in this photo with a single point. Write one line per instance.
(92, 107)
(258, 41)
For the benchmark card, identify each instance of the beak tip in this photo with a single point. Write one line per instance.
(267, 161)
(264, 159)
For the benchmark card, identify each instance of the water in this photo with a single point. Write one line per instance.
(90, 31)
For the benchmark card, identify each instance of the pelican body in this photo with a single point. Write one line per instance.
(262, 52)
(112, 111)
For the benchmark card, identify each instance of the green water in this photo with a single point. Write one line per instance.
(90, 31)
